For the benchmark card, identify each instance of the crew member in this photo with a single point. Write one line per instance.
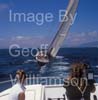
(18, 90)
(79, 87)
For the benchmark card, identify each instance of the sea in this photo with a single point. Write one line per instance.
(58, 67)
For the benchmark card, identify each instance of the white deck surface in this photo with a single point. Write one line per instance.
(39, 92)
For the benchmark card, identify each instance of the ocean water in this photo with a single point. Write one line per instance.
(59, 67)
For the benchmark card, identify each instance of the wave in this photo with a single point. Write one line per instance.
(29, 61)
(61, 63)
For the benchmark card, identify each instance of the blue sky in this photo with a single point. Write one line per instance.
(84, 30)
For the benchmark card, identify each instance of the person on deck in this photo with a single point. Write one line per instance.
(18, 90)
(77, 86)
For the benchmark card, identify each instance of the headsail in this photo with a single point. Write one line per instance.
(64, 28)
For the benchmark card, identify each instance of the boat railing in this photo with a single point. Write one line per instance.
(37, 80)
(41, 80)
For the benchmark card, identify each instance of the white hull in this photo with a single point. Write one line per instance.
(40, 92)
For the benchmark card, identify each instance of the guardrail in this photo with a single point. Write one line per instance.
(40, 80)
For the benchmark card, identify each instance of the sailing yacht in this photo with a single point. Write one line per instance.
(60, 35)
(52, 92)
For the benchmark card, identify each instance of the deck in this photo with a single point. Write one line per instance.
(45, 92)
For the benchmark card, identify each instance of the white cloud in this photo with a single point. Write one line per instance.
(17, 38)
(75, 39)
(93, 34)
(25, 41)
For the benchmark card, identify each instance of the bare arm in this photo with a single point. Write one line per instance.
(21, 96)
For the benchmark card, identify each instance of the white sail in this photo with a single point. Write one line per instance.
(64, 28)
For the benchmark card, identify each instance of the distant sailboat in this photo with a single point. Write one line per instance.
(61, 33)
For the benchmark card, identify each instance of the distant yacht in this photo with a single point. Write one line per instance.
(61, 34)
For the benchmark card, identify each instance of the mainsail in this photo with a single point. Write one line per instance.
(64, 28)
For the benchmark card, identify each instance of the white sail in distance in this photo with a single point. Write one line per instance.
(64, 28)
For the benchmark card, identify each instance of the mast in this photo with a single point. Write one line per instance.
(64, 28)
